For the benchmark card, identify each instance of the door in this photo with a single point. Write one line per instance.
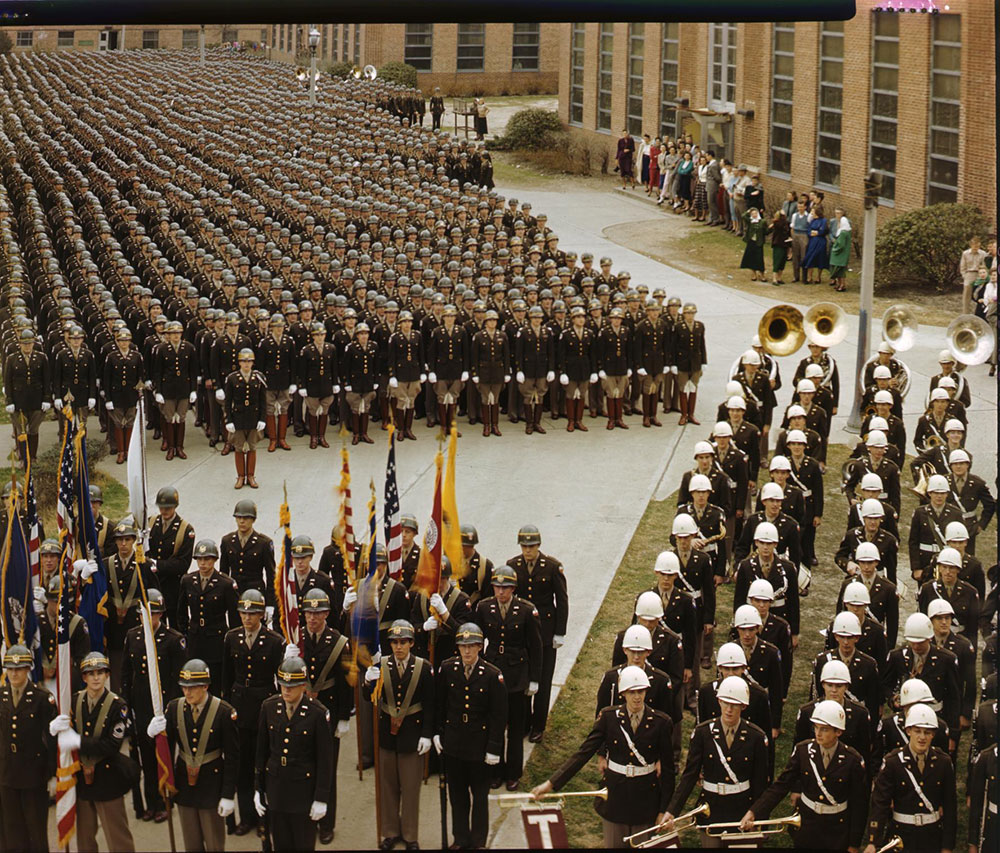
(102, 41)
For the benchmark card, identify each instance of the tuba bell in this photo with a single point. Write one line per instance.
(825, 324)
(900, 327)
(970, 339)
(370, 72)
(780, 330)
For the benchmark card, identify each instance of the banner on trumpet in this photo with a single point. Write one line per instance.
(544, 827)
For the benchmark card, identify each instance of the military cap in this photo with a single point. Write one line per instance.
(93, 662)
(157, 603)
(409, 521)
(195, 673)
(529, 535)
(315, 601)
(503, 576)
(674, 300)
(401, 629)
(167, 497)
(50, 546)
(277, 319)
(206, 548)
(19, 657)
(246, 354)
(126, 528)
(577, 311)
(380, 553)
(26, 336)
(292, 672)
(362, 327)
(302, 546)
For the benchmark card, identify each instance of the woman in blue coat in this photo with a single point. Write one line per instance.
(816, 259)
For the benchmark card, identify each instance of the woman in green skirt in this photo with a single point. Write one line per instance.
(781, 241)
(754, 234)
(840, 253)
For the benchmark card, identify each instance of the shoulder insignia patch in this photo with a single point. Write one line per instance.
(183, 642)
(119, 730)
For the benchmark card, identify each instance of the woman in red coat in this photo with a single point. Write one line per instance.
(654, 167)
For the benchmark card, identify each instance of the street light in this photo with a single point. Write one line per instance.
(201, 44)
(314, 37)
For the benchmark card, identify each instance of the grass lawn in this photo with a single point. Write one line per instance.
(572, 714)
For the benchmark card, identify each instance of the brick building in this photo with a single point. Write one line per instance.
(807, 104)
(463, 59)
(148, 36)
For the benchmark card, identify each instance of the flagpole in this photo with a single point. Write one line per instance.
(376, 699)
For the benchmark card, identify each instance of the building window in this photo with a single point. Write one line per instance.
(281, 37)
(274, 35)
(606, 55)
(831, 101)
(471, 47)
(668, 73)
(636, 49)
(576, 58)
(885, 98)
(25, 38)
(229, 35)
(357, 44)
(345, 35)
(723, 58)
(263, 35)
(946, 81)
(782, 79)
(189, 39)
(65, 38)
(333, 42)
(150, 39)
(524, 53)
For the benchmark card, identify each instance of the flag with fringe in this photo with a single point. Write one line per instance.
(68, 763)
(285, 587)
(390, 512)
(428, 578)
(93, 590)
(345, 521)
(451, 533)
(364, 619)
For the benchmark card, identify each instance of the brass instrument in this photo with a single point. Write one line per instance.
(719, 830)
(513, 801)
(970, 339)
(825, 324)
(926, 471)
(781, 331)
(900, 327)
(870, 410)
(895, 843)
(652, 837)
(370, 72)
(933, 441)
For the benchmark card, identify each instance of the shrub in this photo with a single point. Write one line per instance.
(6, 43)
(564, 153)
(922, 248)
(340, 69)
(399, 72)
(531, 129)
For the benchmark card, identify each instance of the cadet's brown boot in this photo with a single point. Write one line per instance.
(179, 440)
(580, 406)
(321, 429)
(227, 448)
(487, 415)
(652, 410)
(120, 442)
(168, 435)
(364, 429)
(684, 409)
(612, 404)
(619, 419)
(272, 433)
(355, 427)
(251, 467)
(165, 441)
(408, 424)
(570, 415)
(241, 470)
(313, 432)
(495, 429)
(539, 411)
(645, 410)
(529, 418)
(691, 401)
(282, 429)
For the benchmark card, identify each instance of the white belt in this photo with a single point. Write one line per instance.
(916, 819)
(778, 602)
(971, 514)
(694, 593)
(924, 546)
(630, 770)
(726, 788)
(822, 808)
(807, 493)
(711, 548)
(992, 807)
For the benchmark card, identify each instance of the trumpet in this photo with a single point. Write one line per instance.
(895, 843)
(512, 801)
(652, 837)
(719, 830)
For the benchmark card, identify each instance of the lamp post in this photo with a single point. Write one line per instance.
(201, 44)
(873, 188)
(314, 37)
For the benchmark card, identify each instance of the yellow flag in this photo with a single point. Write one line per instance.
(451, 535)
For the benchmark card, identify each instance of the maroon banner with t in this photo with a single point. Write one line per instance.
(544, 828)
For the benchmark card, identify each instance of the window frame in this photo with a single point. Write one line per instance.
(61, 38)
(186, 36)
(821, 109)
(778, 102)
(533, 43)
(669, 78)
(887, 194)
(150, 40)
(726, 66)
(577, 59)
(605, 75)
(467, 63)
(414, 45)
(933, 128)
(24, 38)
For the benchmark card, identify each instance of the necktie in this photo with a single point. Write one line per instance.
(920, 763)
(503, 610)
(468, 672)
(826, 758)
(289, 710)
(635, 719)
(531, 568)
(204, 582)
(17, 697)
(918, 664)
(401, 668)
(195, 712)
(730, 733)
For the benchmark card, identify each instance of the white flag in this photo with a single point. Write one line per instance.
(136, 474)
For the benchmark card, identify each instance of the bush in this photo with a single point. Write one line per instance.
(6, 43)
(563, 153)
(531, 129)
(399, 72)
(340, 69)
(923, 248)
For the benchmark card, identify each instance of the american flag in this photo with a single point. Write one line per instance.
(31, 523)
(346, 521)
(285, 585)
(68, 764)
(390, 512)
(364, 617)
(65, 502)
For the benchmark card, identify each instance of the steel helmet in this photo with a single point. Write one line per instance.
(315, 601)
(401, 629)
(157, 603)
(914, 691)
(921, 716)
(867, 551)
(804, 579)
(795, 436)
(252, 601)
(762, 589)
(796, 411)
(918, 628)
(939, 394)
(722, 428)
(292, 672)
(632, 678)
(846, 624)
(302, 546)
(734, 389)
(667, 564)
(958, 455)
(700, 483)
(953, 425)
(805, 386)
(469, 634)
(505, 576)
(813, 370)
(684, 525)
(19, 657)
(771, 491)
(93, 662)
(649, 605)
(195, 673)
(829, 713)
(731, 654)
(780, 463)
(880, 423)
(637, 637)
(245, 509)
(750, 357)
(736, 402)
(956, 532)
(876, 438)
(746, 616)
(883, 396)
(937, 483)
(470, 536)
(940, 607)
(871, 482)
(703, 448)
(835, 672)
(857, 593)
(872, 508)
(766, 532)
(167, 497)
(734, 690)
(206, 548)
(529, 535)
(949, 557)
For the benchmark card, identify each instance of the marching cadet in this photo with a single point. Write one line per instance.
(932, 426)
(705, 466)
(402, 689)
(174, 376)
(203, 730)
(729, 757)
(123, 374)
(829, 377)
(957, 536)
(971, 495)
(48, 627)
(792, 502)
(697, 579)
(812, 442)
(832, 801)
(680, 616)
(124, 593)
(711, 522)
(880, 387)
(788, 547)
(410, 551)
(26, 383)
(983, 801)
(171, 652)
(251, 655)
(244, 392)
(637, 643)
(360, 381)
(866, 685)
(774, 629)
(914, 794)
(763, 661)
(941, 614)
(891, 731)
(835, 681)
(247, 555)
(534, 363)
(327, 655)
(512, 629)
(294, 752)
(470, 718)
(855, 598)
(869, 534)
(74, 377)
(962, 596)
(948, 365)
(307, 578)
(814, 416)
(439, 617)
(746, 436)
(875, 463)
(885, 420)
(171, 544)
(577, 360)
(635, 742)
(689, 358)
(475, 583)
(490, 369)
(731, 662)
(318, 383)
(651, 359)
(927, 528)
(406, 359)
(668, 650)
(206, 609)
(277, 361)
(96, 727)
(27, 753)
(448, 365)
(613, 366)
(780, 573)
(734, 465)
(871, 488)
(756, 384)
(807, 474)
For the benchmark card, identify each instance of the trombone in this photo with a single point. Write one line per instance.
(513, 801)
(895, 843)
(652, 837)
(724, 830)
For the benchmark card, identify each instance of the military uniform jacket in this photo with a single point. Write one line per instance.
(105, 774)
(667, 655)
(123, 597)
(710, 760)
(577, 354)
(764, 667)
(405, 704)
(896, 435)
(815, 445)
(792, 504)
(206, 614)
(26, 381)
(831, 375)
(471, 714)
(783, 577)
(930, 427)
(689, 347)
(175, 371)
(248, 671)
(963, 649)
(393, 604)
(650, 348)
(224, 357)
(294, 755)
(79, 646)
(406, 356)
(712, 528)
(327, 662)
(872, 641)
(964, 600)
(857, 735)
(212, 757)
(983, 800)
(788, 538)
(171, 653)
(448, 354)
(545, 588)
(443, 637)
(735, 467)
(316, 369)
(887, 544)
(171, 545)
(659, 696)
(614, 351)
(697, 580)
(514, 643)
(927, 536)
(476, 581)
(359, 366)
(246, 399)
(721, 495)
(974, 495)
(490, 361)
(809, 478)
(895, 792)
(844, 781)
(866, 685)
(27, 750)
(250, 565)
(411, 562)
(276, 360)
(636, 799)
(890, 734)
(758, 712)
(759, 390)
(534, 352)
(680, 616)
(76, 375)
(886, 469)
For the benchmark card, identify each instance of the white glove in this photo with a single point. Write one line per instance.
(437, 602)
(593, 378)
(220, 395)
(291, 651)
(371, 674)
(628, 373)
(347, 388)
(269, 613)
(91, 403)
(46, 406)
(230, 427)
(68, 740)
(157, 726)
(10, 408)
(226, 807)
(423, 746)
(601, 374)
(89, 569)
(39, 593)
(343, 727)
(492, 760)
(431, 624)
(393, 382)
(557, 641)
(59, 724)
(303, 392)
(432, 377)
(550, 376)
(532, 688)
(158, 397)
(673, 369)
(317, 811)
(260, 426)
(377, 657)
(148, 384)
(258, 803)
(198, 379)
(350, 597)
(108, 405)
(336, 389)
(642, 371)
(563, 379)
(38, 607)
(666, 368)
(292, 389)
(465, 376)
(520, 376)
(59, 404)
(506, 377)
(193, 397)
(475, 379)
(423, 377)
(375, 387)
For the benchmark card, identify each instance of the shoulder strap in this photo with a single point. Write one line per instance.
(323, 680)
(631, 746)
(722, 755)
(819, 779)
(920, 791)
(181, 533)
